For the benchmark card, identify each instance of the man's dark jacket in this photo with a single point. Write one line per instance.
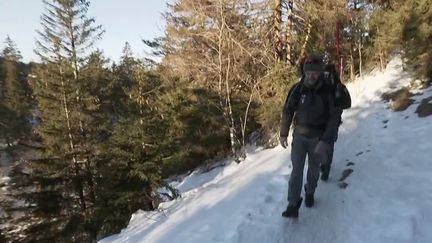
(313, 111)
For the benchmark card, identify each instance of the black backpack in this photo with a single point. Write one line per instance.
(341, 93)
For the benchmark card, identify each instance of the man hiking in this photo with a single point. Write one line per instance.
(311, 105)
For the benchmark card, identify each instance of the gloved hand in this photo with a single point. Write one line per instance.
(321, 152)
(284, 141)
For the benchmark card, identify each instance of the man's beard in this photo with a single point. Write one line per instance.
(312, 83)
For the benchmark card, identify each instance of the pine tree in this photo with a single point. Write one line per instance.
(15, 97)
(127, 61)
(11, 52)
(97, 79)
(123, 79)
(132, 171)
(402, 27)
(64, 175)
(416, 20)
(193, 134)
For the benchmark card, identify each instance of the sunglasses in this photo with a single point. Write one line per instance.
(312, 74)
(312, 61)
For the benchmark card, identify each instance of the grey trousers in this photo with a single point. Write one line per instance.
(325, 168)
(302, 146)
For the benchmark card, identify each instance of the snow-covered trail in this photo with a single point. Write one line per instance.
(387, 198)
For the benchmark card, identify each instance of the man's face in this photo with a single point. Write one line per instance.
(312, 78)
(312, 75)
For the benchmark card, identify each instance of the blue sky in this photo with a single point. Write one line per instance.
(123, 20)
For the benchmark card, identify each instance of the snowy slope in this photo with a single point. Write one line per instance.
(388, 197)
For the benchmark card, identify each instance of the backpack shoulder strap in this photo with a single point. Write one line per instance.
(294, 94)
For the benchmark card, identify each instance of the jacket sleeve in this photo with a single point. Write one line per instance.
(288, 111)
(333, 122)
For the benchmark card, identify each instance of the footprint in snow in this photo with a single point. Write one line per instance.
(342, 185)
(269, 199)
(272, 187)
(345, 174)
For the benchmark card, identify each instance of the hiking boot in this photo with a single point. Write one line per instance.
(309, 201)
(292, 210)
(309, 198)
(325, 171)
(325, 176)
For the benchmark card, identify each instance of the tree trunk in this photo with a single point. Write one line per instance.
(230, 111)
(78, 182)
(360, 57)
(277, 28)
(90, 182)
(74, 59)
(225, 102)
(8, 142)
(341, 70)
(77, 178)
(244, 123)
(303, 49)
(352, 62)
(289, 36)
(381, 60)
